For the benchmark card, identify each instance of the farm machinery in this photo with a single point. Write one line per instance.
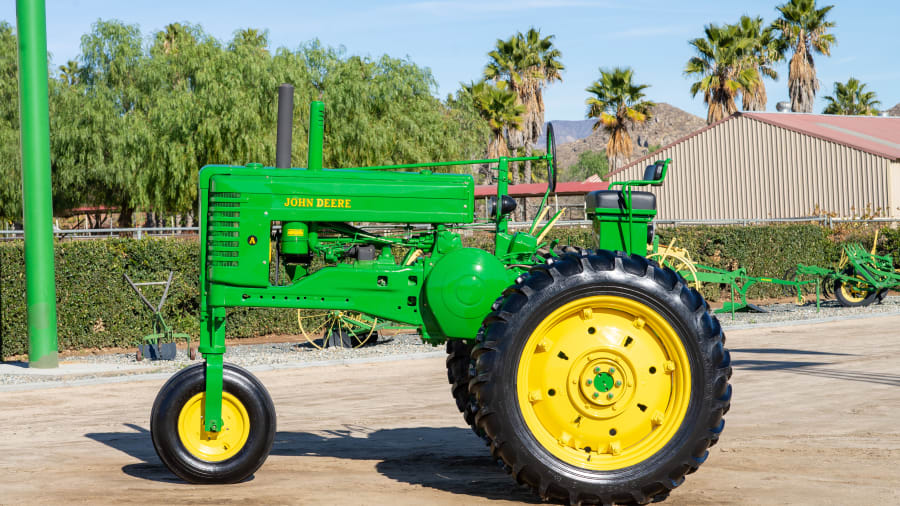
(738, 280)
(594, 376)
(858, 279)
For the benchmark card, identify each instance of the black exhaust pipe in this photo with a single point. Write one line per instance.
(285, 123)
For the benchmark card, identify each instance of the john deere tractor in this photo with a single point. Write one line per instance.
(594, 375)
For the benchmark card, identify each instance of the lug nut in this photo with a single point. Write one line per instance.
(596, 370)
(596, 395)
(618, 383)
(612, 370)
(588, 382)
(609, 396)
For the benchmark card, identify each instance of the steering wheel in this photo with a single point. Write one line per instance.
(551, 163)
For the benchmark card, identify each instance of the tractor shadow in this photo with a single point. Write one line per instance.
(815, 365)
(137, 444)
(450, 459)
(754, 363)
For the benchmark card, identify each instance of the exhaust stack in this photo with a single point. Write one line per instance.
(285, 124)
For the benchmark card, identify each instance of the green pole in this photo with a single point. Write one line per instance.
(34, 117)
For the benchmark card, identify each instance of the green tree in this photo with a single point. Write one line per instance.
(723, 68)
(588, 164)
(526, 63)
(10, 171)
(100, 133)
(852, 99)
(618, 102)
(763, 52)
(174, 87)
(804, 29)
(133, 123)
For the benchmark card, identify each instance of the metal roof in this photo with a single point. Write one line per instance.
(538, 189)
(872, 134)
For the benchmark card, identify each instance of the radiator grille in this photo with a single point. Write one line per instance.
(222, 225)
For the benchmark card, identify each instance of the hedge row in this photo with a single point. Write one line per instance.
(96, 308)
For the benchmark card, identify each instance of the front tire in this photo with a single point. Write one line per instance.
(601, 379)
(228, 456)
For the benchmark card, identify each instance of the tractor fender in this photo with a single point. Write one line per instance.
(460, 289)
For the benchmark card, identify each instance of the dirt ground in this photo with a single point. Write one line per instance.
(813, 421)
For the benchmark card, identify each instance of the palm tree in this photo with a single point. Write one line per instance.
(170, 37)
(500, 108)
(763, 52)
(724, 68)
(804, 29)
(251, 37)
(616, 102)
(851, 99)
(69, 72)
(526, 63)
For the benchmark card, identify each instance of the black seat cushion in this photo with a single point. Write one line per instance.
(612, 199)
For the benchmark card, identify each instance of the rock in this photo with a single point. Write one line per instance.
(668, 124)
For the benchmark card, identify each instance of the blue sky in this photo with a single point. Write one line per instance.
(452, 37)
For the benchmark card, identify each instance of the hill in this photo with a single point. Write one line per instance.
(893, 111)
(567, 131)
(667, 124)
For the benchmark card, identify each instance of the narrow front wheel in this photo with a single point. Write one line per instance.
(227, 456)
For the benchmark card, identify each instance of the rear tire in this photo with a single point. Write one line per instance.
(550, 429)
(231, 455)
(459, 365)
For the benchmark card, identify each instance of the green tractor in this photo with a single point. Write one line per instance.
(595, 376)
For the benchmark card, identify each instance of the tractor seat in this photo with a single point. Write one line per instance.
(612, 199)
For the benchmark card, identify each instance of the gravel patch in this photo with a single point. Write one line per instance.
(788, 312)
(252, 356)
(303, 354)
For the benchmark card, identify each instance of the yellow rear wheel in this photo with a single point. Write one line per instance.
(601, 378)
(603, 382)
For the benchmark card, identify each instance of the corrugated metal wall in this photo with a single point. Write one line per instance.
(747, 169)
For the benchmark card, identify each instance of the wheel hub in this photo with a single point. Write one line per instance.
(600, 381)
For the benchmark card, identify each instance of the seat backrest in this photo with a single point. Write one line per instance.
(654, 173)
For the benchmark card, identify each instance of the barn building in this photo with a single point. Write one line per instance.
(780, 165)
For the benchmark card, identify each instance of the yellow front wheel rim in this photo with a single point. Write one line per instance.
(603, 382)
(214, 446)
